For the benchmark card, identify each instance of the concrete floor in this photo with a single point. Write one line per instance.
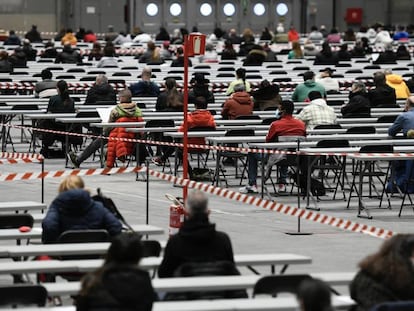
(252, 230)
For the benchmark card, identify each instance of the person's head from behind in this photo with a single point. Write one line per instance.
(170, 83)
(308, 75)
(344, 47)
(358, 87)
(179, 51)
(197, 204)
(241, 73)
(326, 49)
(126, 248)
(62, 87)
(4, 55)
(379, 78)
(314, 95)
(314, 28)
(125, 96)
(109, 50)
(146, 73)
(239, 88)
(200, 102)
(101, 79)
(46, 74)
(314, 295)
(286, 107)
(71, 182)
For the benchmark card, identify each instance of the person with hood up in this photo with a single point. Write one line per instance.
(239, 104)
(197, 240)
(358, 105)
(119, 284)
(69, 37)
(101, 91)
(266, 96)
(382, 96)
(74, 209)
(300, 94)
(398, 84)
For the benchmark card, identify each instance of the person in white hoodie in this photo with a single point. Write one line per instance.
(330, 84)
(383, 37)
(317, 112)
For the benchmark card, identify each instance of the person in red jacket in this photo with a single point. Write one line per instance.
(287, 125)
(240, 103)
(200, 117)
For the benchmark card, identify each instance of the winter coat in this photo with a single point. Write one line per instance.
(301, 91)
(398, 84)
(76, 210)
(68, 56)
(179, 62)
(199, 118)
(239, 104)
(56, 105)
(5, 66)
(196, 241)
(368, 291)
(69, 38)
(325, 59)
(124, 112)
(386, 57)
(383, 96)
(49, 53)
(144, 88)
(116, 287)
(358, 106)
(12, 40)
(202, 91)
(266, 97)
(101, 92)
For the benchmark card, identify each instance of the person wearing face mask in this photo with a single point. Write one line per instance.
(387, 275)
(287, 125)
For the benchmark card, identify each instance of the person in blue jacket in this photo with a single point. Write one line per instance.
(74, 209)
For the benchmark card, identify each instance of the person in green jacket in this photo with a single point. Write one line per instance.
(302, 90)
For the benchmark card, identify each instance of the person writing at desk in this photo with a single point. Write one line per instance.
(125, 110)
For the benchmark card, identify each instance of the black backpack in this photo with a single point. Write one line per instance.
(109, 204)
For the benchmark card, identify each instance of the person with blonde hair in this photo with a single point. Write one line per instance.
(74, 209)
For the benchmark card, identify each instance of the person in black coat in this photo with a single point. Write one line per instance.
(18, 59)
(325, 56)
(386, 57)
(5, 65)
(402, 53)
(68, 55)
(196, 241)
(179, 59)
(74, 209)
(266, 97)
(200, 89)
(382, 96)
(30, 52)
(343, 54)
(358, 105)
(49, 51)
(33, 35)
(387, 275)
(101, 91)
(119, 284)
(13, 39)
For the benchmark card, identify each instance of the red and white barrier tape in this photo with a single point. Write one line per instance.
(278, 207)
(17, 161)
(18, 155)
(64, 173)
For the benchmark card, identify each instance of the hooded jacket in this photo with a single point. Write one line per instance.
(398, 84)
(101, 92)
(357, 106)
(302, 90)
(239, 104)
(123, 112)
(196, 241)
(68, 56)
(383, 96)
(76, 210)
(116, 287)
(199, 118)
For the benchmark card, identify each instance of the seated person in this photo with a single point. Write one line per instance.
(287, 125)
(382, 96)
(125, 110)
(200, 117)
(387, 275)
(398, 84)
(145, 87)
(239, 103)
(152, 55)
(5, 65)
(358, 105)
(61, 103)
(266, 96)
(196, 241)
(46, 87)
(74, 209)
(330, 84)
(68, 55)
(171, 99)
(101, 91)
(326, 56)
(200, 88)
(179, 58)
(49, 51)
(314, 294)
(240, 79)
(109, 59)
(386, 57)
(119, 284)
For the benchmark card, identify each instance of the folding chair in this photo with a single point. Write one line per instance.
(370, 169)
(23, 295)
(275, 284)
(151, 248)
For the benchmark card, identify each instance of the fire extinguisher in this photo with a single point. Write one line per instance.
(177, 213)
